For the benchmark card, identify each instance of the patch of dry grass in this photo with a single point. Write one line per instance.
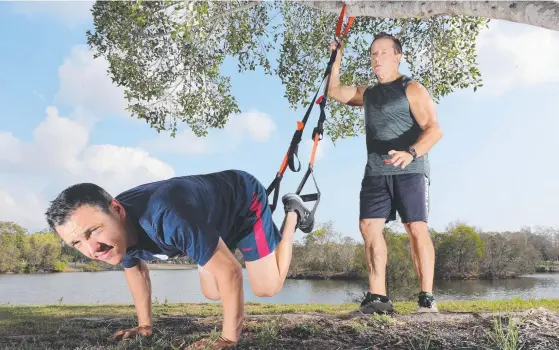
(287, 326)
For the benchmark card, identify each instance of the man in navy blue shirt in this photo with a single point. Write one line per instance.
(201, 216)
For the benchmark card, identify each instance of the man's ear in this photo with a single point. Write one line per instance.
(118, 208)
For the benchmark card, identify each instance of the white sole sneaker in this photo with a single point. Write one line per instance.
(432, 309)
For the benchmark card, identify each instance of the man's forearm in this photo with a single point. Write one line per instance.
(139, 284)
(335, 74)
(232, 298)
(428, 138)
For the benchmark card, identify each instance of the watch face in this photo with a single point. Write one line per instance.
(412, 150)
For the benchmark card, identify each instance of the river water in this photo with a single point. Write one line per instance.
(184, 286)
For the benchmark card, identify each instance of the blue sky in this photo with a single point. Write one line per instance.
(62, 121)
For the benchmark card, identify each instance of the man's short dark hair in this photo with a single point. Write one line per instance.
(73, 197)
(396, 44)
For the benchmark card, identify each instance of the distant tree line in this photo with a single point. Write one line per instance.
(21, 252)
(462, 252)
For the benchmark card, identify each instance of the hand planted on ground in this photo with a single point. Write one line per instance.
(211, 344)
(144, 331)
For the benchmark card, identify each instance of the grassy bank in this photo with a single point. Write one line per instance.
(464, 324)
(89, 267)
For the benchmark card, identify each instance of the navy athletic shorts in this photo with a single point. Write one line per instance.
(383, 195)
(261, 235)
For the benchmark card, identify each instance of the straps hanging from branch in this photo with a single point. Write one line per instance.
(292, 151)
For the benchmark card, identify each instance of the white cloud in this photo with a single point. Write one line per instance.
(22, 206)
(84, 82)
(117, 168)
(60, 155)
(320, 150)
(60, 152)
(516, 55)
(10, 148)
(254, 125)
(257, 125)
(58, 143)
(71, 13)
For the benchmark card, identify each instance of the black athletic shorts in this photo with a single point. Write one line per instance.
(384, 195)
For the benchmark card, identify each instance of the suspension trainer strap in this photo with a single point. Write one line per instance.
(293, 149)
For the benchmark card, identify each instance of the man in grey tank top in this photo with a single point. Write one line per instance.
(401, 127)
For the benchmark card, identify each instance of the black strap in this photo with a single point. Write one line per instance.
(275, 185)
(292, 152)
(297, 136)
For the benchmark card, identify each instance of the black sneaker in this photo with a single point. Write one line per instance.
(375, 303)
(292, 202)
(426, 303)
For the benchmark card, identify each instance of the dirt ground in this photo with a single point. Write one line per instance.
(534, 329)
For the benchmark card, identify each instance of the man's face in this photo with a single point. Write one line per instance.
(383, 58)
(96, 234)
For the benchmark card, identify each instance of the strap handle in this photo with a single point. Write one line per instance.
(292, 152)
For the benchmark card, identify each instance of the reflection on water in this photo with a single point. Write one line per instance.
(533, 286)
(184, 286)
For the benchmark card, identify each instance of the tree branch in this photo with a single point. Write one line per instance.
(543, 14)
(237, 9)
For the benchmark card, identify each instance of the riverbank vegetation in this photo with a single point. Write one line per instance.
(513, 324)
(463, 252)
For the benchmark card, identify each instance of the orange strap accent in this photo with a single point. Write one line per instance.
(349, 24)
(283, 166)
(340, 21)
(314, 147)
(300, 124)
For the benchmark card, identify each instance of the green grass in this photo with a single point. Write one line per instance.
(58, 326)
(16, 316)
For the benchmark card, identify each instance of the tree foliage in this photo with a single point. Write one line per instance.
(507, 254)
(460, 250)
(167, 55)
(21, 251)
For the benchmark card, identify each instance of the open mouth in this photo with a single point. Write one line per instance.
(105, 252)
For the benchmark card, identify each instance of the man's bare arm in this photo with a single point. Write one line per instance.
(351, 95)
(424, 110)
(139, 284)
(229, 275)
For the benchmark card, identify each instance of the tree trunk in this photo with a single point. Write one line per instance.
(543, 14)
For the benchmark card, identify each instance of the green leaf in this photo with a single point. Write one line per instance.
(167, 56)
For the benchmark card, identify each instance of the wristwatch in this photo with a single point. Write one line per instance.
(412, 151)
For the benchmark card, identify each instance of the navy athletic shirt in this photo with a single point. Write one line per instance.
(187, 215)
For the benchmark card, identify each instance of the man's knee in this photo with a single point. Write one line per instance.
(264, 277)
(267, 290)
(208, 284)
(211, 294)
(417, 229)
(371, 228)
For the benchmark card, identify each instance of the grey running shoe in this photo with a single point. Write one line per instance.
(375, 304)
(294, 203)
(426, 303)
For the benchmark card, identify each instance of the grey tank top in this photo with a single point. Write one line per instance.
(390, 124)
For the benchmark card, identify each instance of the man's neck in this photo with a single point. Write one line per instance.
(132, 234)
(388, 78)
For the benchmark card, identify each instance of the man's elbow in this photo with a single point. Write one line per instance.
(332, 91)
(435, 131)
(439, 132)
